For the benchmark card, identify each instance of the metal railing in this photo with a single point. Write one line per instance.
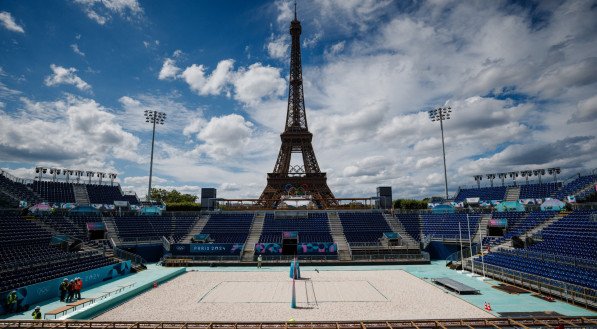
(569, 292)
(498, 323)
(126, 255)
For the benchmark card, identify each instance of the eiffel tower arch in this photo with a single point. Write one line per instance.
(305, 179)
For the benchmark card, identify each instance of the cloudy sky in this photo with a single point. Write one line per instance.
(76, 76)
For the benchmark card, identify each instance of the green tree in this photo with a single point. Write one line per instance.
(162, 195)
(410, 204)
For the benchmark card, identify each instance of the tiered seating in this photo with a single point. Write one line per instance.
(132, 199)
(520, 261)
(514, 220)
(412, 224)
(64, 226)
(445, 226)
(483, 193)
(17, 190)
(27, 258)
(229, 228)
(104, 194)
(54, 192)
(135, 228)
(363, 227)
(175, 228)
(575, 185)
(153, 227)
(15, 231)
(80, 221)
(538, 191)
(574, 235)
(314, 228)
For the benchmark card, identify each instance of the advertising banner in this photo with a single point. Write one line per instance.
(222, 249)
(322, 248)
(96, 226)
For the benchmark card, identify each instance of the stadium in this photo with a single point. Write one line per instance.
(518, 249)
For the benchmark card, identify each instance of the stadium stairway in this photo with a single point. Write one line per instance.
(397, 227)
(199, 224)
(81, 195)
(512, 193)
(483, 229)
(112, 232)
(337, 231)
(253, 238)
(508, 243)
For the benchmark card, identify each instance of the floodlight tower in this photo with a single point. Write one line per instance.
(526, 174)
(554, 172)
(440, 114)
(491, 177)
(513, 175)
(539, 173)
(502, 176)
(478, 179)
(153, 117)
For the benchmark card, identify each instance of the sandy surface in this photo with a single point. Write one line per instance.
(266, 296)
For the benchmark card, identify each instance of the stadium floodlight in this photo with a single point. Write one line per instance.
(539, 173)
(502, 176)
(441, 114)
(89, 174)
(54, 173)
(554, 172)
(100, 175)
(526, 174)
(153, 117)
(513, 175)
(478, 179)
(112, 178)
(491, 177)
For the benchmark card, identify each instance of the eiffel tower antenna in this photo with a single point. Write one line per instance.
(287, 180)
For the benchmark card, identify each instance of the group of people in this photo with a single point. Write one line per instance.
(70, 290)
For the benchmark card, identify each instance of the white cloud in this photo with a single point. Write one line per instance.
(76, 50)
(586, 111)
(69, 132)
(258, 82)
(9, 23)
(223, 136)
(169, 70)
(213, 84)
(277, 48)
(101, 10)
(62, 75)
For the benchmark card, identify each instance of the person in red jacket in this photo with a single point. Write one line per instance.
(78, 287)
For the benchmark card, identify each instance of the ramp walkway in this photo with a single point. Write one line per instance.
(456, 286)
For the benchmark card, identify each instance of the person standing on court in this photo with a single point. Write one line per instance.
(63, 289)
(259, 260)
(36, 313)
(78, 287)
(11, 302)
(71, 291)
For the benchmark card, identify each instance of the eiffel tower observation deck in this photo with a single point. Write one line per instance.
(299, 180)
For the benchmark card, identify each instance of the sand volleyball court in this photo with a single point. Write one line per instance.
(266, 296)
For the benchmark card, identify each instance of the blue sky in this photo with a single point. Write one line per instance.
(76, 76)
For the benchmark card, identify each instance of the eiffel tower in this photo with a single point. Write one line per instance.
(287, 179)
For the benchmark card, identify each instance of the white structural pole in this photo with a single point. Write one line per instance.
(461, 252)
(470, 243)
(482, 257)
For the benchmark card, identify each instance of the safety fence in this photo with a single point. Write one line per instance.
(523, 322)
(571, 293)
